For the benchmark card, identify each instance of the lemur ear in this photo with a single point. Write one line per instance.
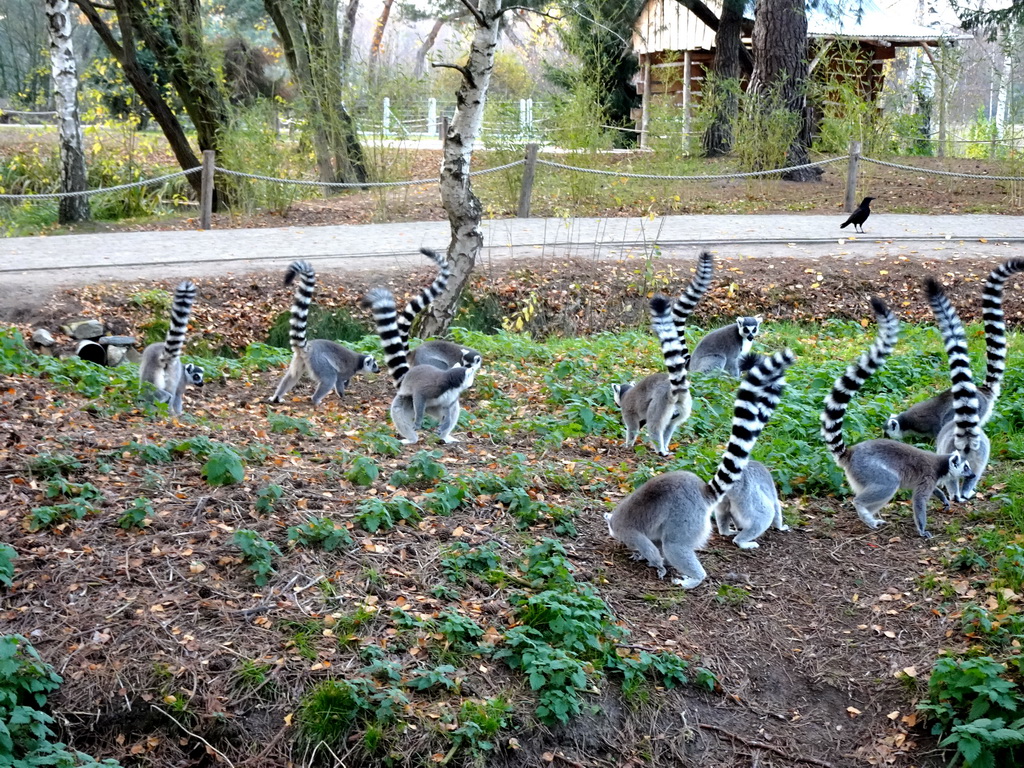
(759, 318)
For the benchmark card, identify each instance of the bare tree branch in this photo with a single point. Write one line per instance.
(476, 14)
(458, 67)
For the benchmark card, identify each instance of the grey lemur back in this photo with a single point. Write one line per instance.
(877, 469)
(750, 507)
(668, 518)
(443, 354)
(723, 348)
(328, 363)
(928, 417)
(963, 434)
(661, 402)
(161, 361)
(422, 389)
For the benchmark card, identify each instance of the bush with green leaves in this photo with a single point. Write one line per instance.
(257, 553)
(267, 498)
(53, 515)
(422, 469)
(976, 707)
(281, 423)
(138, 515)
(26, 739)
(224, 467)
(320, 532)
(460, 557)
(363, 471)
(376, 514)
(7, 557)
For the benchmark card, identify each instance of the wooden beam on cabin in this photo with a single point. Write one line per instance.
(707, 16)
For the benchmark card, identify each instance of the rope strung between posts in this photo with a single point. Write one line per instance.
(100, 190)
(713, 177)
(954, 174)
(358, 184)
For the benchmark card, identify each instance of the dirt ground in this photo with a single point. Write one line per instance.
(820, 663)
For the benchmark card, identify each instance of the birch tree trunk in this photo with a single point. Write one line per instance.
(462, 206)
(65, 88)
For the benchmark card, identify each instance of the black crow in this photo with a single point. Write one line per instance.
(859, 216)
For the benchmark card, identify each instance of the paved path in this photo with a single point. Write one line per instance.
(32, 265)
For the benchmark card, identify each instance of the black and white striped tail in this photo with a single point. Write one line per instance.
(673, 347)
(856, 374)
(181, 308)
(688, 300)
(301, 301)
(995, 324)
(756, 400)
(967, 415)
(385, 314)
(426, 296)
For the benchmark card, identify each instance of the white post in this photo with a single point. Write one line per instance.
(432, 116)
(687, 63)
(529, 113)
(522, 116)
(386, 118)
(645, 101)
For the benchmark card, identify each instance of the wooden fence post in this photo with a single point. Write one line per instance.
(445, 122)
(206, 190)
(526, 190)
(851, 177)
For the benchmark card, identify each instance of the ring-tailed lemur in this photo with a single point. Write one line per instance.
(661, 402)
(929, 416)
(877, 469)
(723, 348)
(963, 434)
(161, 361)
(423, 389)
(668, 518)
(328, 363)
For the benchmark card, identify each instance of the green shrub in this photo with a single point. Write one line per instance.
(7, 557)
(257, 553)
(337, 324)
(138, 515)
(224, 467)
(320, 532)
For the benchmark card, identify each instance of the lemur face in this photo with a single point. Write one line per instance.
(471, 359)
(194, 375)
(370, 365)
(748, 327)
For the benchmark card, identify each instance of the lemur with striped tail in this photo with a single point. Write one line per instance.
(929, 416)
(327, 362)
(668, 518)
(963, 434)
(877, 469)
(423, 389)
(436, 352)
(662, 402)
(161, 364)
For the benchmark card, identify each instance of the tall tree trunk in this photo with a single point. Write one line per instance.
(780, 72)
(376, 44)
(718, 137)
(148, 91)
(351, 11)
(423, 50)
(462, 206)
(65, 87)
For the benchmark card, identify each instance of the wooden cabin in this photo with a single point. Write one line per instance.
(675, 48)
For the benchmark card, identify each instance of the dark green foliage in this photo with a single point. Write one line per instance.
(461, 557)
(257, 553)
(377, 514)
(224, 467)
(267, 498)
(444, 499)
(320, 532)
(334, 324)
(137, 515)
(149, 453)
(55, 514)
(364, 471)
(976, 708)
(26, 739)
(423, 469)
(281, 423)
(7, 557)
(53, 465)
(438, 677)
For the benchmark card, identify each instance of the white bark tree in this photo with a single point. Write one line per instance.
(460, 203)
(65, 88)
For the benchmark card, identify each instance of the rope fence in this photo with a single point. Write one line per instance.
(209, 170)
